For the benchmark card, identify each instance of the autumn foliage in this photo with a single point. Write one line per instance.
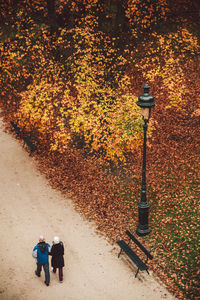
(71, 72)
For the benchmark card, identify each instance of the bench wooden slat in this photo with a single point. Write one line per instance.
(133, 238)
(133, 256)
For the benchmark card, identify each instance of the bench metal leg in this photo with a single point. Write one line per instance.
(119, 253)
(137, 273)
(31, 152)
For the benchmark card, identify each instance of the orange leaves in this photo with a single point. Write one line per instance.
(165, 63)
(196, 113)
(95, 111)
(77, 89)
(143, 15)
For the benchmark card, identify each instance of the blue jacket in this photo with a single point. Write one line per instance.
(41, 252)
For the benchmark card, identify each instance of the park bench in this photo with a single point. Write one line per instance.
(29, 143)
(29, 138)
(15, 127)
(141, 266)
(34, 137)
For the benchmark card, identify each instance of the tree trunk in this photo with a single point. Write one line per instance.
(51, 15)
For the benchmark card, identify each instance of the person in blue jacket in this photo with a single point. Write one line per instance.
(41, 253)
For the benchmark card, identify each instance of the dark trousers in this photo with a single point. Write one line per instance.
(60, 272)
(46, 271)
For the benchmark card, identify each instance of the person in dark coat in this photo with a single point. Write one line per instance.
(57, 260)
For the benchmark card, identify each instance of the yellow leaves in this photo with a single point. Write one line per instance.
(167, 64)
(54, 146)
(107, 117)
(105, 126)
(63, 32)
(60, 140)
(182, 41)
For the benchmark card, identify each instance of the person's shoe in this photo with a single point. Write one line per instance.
(61, 281)
(47, 284)
(37, 274)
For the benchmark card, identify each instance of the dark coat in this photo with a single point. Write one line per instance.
(57, 252)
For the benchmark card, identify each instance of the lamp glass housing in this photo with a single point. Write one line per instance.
(146, 113)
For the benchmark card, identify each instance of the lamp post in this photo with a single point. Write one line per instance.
(146, 102)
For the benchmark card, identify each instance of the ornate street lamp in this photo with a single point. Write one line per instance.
(146, 102)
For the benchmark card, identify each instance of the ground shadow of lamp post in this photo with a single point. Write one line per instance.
(146, 102)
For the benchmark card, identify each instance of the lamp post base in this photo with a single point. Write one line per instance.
(143, 230)
(143, 227)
